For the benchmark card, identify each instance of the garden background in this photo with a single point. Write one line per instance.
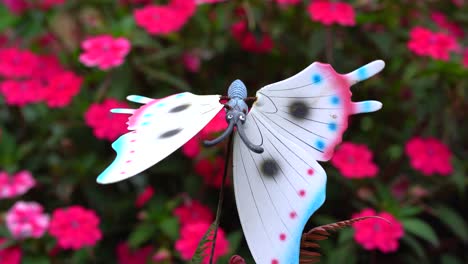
(65, 63)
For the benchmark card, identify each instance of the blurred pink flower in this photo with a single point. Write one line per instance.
(329, 13)
(288, 2)
(192, 148)
(105, 124)
(75, 227)
(376, 233)
(190, 236)
(354, 161)
(161, 256)
(16, 63)
(164, 19)
(217, 124)
(465, 58)
(15, 185)
(261, 43)
(62, 88)
(193, 211)
(104, 51)
(16, 6)
(429, 156)
(26, 219)
(442, 21)
(437, 45)
(9, 255)
(211, 171)
(22, 92)
(144, 197)
(125, 255)
(191, 61)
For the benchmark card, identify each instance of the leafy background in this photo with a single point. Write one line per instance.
(421, 96)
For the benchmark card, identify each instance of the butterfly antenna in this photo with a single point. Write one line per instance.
(247, 142)
(221, 196)
(227, 132)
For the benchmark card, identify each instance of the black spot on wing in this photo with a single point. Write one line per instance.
(269, 167)
(298, 109)
(170, 133)
(179, 108)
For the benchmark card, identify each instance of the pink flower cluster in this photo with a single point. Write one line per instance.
(104, 51)
(190, 236)
(144, 197)
(429, 156)
(165, 19)
(354, 161)
(329, 13)
(15, 185)
(437, 45)
(195, 218)
(29, 78)
(26, 219)
(262, 43)
(9, 255)
(105, 124)
(20, 6)
(376, 233)
(75, 227)
(443, 22)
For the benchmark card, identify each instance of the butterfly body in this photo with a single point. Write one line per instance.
(278, 181)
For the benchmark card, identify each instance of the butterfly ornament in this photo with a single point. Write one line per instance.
(278, 181)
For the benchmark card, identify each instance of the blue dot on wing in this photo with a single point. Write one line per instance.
(145, 123)
(335, 100)
(332, 126)
(362, 73)
(366, 106)
(179, 95)
(320, 144)
(147, 115)
(316, 78)
(160, 104)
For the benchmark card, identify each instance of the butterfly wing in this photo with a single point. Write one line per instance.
(297, 122)
(158, 128)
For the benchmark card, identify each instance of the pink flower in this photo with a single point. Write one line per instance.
(162, 20)
(16, 6)
(376, 233)
(15, 185)
(62, 88)
(105, 124)
(442, 21)
(217, 124)
(47, 4)
(329, 13)
(144, 197)
(75, 227)
(191, 61)
(465, 58)
(125, 255)
(192, 148)
(437, 45)
(288, 2)
(26, 219)
(429, 156)
(354, 161)
(190, 236)
(250, 42)
(9, 255)
(22, 92)
(211, 171)
(193, 211)
(104, 51)
(16, 63)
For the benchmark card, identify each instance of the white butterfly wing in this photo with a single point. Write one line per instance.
(297, 122)
(312, 107)
(159, 128)
(276, 192)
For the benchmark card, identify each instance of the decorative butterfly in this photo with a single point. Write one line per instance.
(278, 182)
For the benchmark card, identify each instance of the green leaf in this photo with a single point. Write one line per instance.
(409, 211)
(141, 234)
(414, 245)
(450, 259)
(35, 260)
(234, 239)
(452, 220)
(420, 229)
(170, 227)
(205, 243)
